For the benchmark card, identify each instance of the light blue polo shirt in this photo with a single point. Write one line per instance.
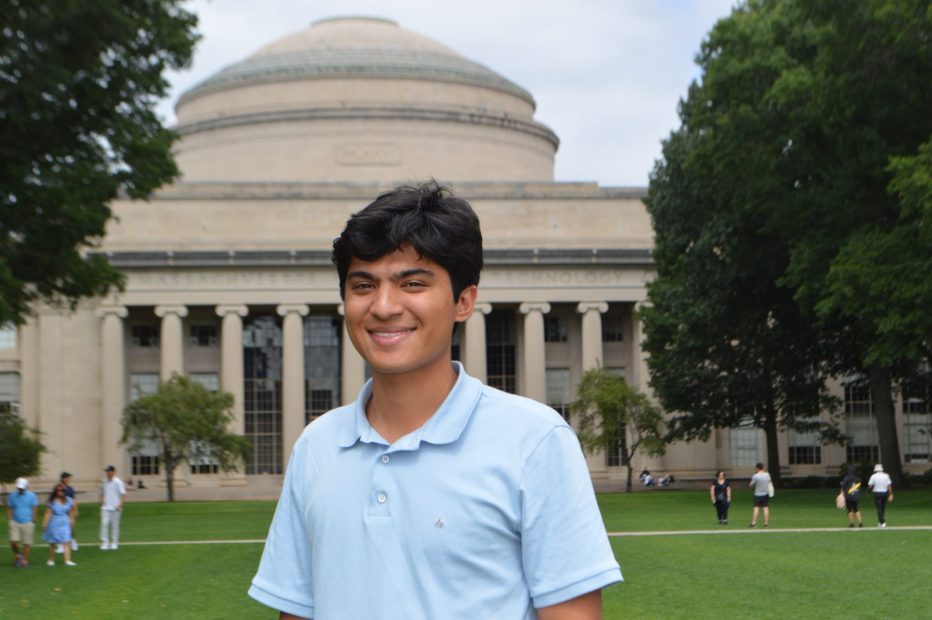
(22, 505)
(486, 511)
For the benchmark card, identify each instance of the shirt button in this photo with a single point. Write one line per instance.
(386, 458)
(382, 498)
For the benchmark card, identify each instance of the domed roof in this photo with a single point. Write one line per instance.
(356, 47)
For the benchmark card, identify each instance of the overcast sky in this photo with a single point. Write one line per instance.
(606, 74)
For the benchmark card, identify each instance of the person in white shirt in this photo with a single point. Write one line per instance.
(112, 493)
(761, 483)
(882, 487)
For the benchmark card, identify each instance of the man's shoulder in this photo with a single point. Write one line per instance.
(516, 415)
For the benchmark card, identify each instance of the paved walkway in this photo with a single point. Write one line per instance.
(745, 530)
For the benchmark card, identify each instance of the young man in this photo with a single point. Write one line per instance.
(761, 483)
(22, 511)
(112, 493)
(433, 495)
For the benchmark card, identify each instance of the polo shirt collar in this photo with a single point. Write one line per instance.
(445, 426)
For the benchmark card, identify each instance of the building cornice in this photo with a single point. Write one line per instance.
(570, 257)
(365, 192)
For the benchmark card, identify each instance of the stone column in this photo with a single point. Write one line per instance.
(639, 375)
(591, 332)
(28, 343)
(292, 374)
(474, 353)
(592, 358)
(171, 340)
(113, 385)
(535, 384)
(231, 374)
(353, 367)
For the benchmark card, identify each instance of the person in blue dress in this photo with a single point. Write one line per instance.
(58, 523)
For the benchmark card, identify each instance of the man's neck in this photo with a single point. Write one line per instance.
(401, 404)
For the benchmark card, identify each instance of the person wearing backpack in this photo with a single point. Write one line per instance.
(851, 488)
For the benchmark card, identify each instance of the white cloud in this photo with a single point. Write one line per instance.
(606, 74)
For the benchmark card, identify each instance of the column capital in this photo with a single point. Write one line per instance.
(341, 309)
(640, 305)
(286, 309)
(163, 311)
(118, 311)
(240, 310)
(483, 307)
(585, 306)
(527, 307)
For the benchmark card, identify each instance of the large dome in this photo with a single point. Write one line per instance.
(360, 99)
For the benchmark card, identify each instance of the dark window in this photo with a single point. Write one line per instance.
(500, 350)
(262, 357)
(145, 465)
(805, 455)
(555, 329)
(203, 335)
(322, 335)
(612, 328)
(145, 335)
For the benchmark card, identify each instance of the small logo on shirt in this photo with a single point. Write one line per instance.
(438, 522)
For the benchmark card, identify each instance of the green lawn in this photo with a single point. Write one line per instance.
(868, 573)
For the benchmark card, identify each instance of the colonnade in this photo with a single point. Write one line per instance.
(114, 390)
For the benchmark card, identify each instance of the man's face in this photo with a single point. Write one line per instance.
(110, 473)
(399, 311)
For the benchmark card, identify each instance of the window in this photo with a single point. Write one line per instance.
(143, 384)
(612, 328)
(145, 456)
(615, 457)
(556, 328)
(9, 393)
(500, 350)
(559, 390)
(145, 335)
(917, 423)
(145, 465)
(322, 337)
(209, 380)
(203, 335)
(805, 448)
(8, 336)
(262, 384)
(748, 445)
(860, 424)
(202, 460)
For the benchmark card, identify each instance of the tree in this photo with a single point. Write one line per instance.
(20, 449)
(187, 422)
(801, 119)
(613, 415)
(79, 82)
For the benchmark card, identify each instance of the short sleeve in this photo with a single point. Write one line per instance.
(284, 580)
(565, 549)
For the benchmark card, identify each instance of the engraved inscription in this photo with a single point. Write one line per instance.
(368, 154)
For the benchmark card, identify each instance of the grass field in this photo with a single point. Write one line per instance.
(869, 573)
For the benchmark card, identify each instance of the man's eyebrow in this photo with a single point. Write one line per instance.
(407, 273)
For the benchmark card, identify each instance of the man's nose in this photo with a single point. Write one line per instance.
(387, 302)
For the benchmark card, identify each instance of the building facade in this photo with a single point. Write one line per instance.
(229, 279)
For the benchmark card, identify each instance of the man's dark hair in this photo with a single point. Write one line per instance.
(760, 466)
(437, 224)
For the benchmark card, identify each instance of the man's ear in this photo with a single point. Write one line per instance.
(466, 303)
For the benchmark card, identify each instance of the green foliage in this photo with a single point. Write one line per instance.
(791, 213)
(611, 413)
(79, 82)
(20, 449)
(188, 422)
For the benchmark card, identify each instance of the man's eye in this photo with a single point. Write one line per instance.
(357, 286)
(413, 284)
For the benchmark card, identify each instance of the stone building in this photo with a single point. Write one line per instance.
(229, 279)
